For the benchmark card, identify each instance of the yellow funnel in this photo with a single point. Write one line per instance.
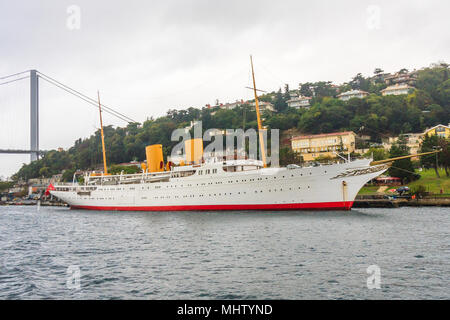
(194, 150)
(155, 161)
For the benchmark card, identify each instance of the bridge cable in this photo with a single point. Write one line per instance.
(92, 101)
(85, 99)
(69, 89)
(13, 75)
(89, 98)
(14, 80)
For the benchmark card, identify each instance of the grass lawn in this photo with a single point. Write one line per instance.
(427, 178)
(432, 184)
(368, 190)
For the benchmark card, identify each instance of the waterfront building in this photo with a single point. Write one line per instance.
(326, 145)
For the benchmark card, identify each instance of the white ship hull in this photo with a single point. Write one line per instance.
(322, 187)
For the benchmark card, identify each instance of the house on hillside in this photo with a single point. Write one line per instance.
(439, 130)
(299, 102)
(397, 89)
(264, 106)
(401, 78)
(232, 105)
(352, 94)
(413, 141)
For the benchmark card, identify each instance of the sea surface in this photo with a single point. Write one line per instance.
(58, 253)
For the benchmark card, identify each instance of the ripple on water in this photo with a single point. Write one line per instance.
(210, 255)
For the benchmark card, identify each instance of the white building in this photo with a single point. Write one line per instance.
(299, 102)
(264, 106)
(397, 89)
(352, 94)
(231, 105)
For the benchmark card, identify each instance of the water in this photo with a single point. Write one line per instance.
(211, 255)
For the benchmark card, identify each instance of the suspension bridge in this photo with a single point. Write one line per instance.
(35, 77)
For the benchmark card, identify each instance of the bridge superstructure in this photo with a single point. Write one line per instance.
(35, 76)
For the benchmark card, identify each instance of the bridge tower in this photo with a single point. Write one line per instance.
(34, 115)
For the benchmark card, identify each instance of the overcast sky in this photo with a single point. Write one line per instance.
(147, 56)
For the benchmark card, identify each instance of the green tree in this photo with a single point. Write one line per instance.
(287, 94)
(67, 175)
(377, 154)
(5, 185)
(305, 89)
(432, 143)
(403, 168)
(280, 104)
(117, 169)
(378, 71)
(360, 83)
(288, 156)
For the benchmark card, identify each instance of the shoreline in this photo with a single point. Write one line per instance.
(33, 203)
(360, 202)
(381, 202)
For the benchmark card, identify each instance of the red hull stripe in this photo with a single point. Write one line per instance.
(347, 205)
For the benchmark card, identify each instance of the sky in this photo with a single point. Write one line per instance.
(146, 57)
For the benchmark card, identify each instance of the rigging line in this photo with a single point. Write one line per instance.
(411, 171)
(87, 97)
(15, 74)
(403, 169)
(86, 100)
(14, 80)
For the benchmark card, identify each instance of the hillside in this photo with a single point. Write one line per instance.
(375, 115)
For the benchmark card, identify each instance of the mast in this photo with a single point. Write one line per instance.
(105, 170)
(260, 133)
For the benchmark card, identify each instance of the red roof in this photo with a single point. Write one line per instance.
(323, 135)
